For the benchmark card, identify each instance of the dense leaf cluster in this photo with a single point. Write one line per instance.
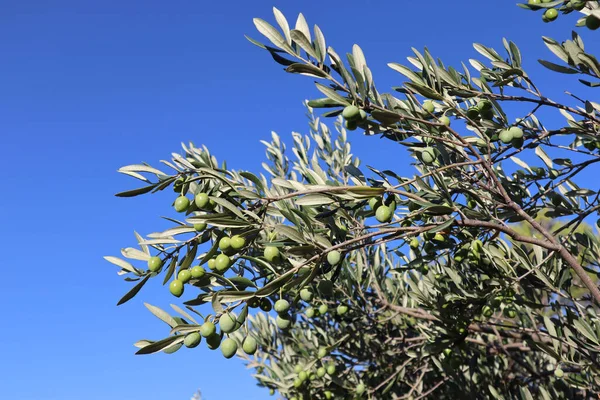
(476, 277)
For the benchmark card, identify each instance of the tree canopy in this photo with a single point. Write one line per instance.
(475, 277)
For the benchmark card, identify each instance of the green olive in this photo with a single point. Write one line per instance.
(229, 347)
(192, 340)
(249, 345)
(184, 276)
(154, 263)
(228, 322)
(199, 227)
(383, 214)
(198, 272)
(428, 106)
(351, 113)
(181, 204)
(282, 306)
(550, 14)
(334, 257)
(208, 329)
(176, 288)
(237, 242)
(306, 295)
(271, 253)
(201, 200)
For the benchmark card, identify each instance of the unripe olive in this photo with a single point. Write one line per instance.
(184, 276)
(201, 200)
(199, 227)
(321, 372)
(271, 253)
(351, 113)
(249, 345)
(222, 263)
(283, 322)
(375, 202)
(551, 14)
(192, 340)
(505, 136)
(383, 214)
(334, 257)
(428, 155)
(282, 306)
(428, 106)
(414, 243)
(238, 242)
(224, 243)
(342, 309)
(323, 309)
(154, 263)
(439, 237)
(306, 295)
(181, 204)
(208, 329)
(229, 347)
(198, 272)
(322, 352)
(331, 369)
(516, 132)
(228, 322)
(212, 264)
(176, 288)
(302, 375)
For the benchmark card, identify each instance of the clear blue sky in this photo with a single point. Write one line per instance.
(89, 86)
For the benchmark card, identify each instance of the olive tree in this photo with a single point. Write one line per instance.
(474, 277)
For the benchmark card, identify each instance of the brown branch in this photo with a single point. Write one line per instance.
(510, 232)
(437, 385)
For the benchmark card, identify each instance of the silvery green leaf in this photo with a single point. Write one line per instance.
(129, 295)
(161, 345)
(122, 263)
(134, 254)
(302, 26)
(161, 314)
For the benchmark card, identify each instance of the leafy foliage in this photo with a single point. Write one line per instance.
(474, 278)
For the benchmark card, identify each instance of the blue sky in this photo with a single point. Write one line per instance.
(87, 87)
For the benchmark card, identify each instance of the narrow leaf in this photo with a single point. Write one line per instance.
(129, 295)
